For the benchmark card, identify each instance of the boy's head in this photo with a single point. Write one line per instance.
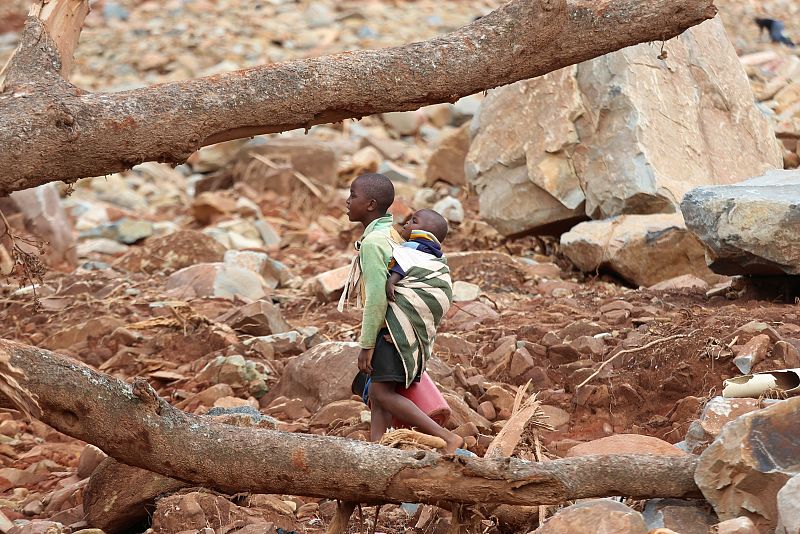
(427, 220)
(370, 197)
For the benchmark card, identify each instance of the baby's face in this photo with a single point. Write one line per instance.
(415, 222)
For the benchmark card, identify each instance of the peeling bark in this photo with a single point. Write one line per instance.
(52, 130)
(133, 425)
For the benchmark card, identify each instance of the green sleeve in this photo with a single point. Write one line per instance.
(374, 273)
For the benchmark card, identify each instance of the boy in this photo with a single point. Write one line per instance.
(370, 198)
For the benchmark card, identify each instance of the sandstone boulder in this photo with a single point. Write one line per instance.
(641, 249)
(741, 473)
(301, 376)
(751, 227)
(592, 516)
(623, 133)
(259, 318)
(217, 280)
(625, 444)
(171, 252)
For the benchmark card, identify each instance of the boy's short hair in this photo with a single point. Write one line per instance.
(434, 223)
(377, 186)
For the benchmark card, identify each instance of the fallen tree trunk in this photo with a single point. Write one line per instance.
(135, 426)
(52, 130)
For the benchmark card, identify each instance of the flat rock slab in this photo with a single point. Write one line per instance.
(752, 227)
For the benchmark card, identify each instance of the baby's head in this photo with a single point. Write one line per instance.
(428, 221)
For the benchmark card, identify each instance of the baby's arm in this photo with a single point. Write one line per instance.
(394, 277)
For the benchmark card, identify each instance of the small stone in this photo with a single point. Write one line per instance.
(787, 353)
(35, 507)
(465, 291)
(342, 410)
(740, 525)
(328, 285)
(246, 259)
(556, 417)
(90, 458)
(260, 318)
(592, 516)
(562, 353)
(130, 231)
(211, 206)
(521, 363)
(752, 353)
(450, 208)
(403, 122)
(467, 429)
(283, 344)
(486, 409)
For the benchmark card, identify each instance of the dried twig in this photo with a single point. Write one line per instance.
(629, 351)
(29, 268)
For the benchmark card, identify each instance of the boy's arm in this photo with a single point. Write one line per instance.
(394, 277)
(374, 274)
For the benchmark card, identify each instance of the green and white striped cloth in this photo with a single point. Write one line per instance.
(422, 299)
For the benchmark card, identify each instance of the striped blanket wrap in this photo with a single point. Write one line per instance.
(422, 299)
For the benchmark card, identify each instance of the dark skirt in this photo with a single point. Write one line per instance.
(387, 366)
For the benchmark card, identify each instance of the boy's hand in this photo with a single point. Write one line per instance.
(365, 360)
(390, 290)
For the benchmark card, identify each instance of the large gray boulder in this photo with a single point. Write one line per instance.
(624, 133)
(751, 227)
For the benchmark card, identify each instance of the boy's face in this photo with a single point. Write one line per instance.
(358, 204)
(415, 222)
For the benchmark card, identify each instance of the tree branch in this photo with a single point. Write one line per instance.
(133, 425)
(70, 134)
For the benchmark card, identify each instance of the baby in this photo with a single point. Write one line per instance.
(424, 231)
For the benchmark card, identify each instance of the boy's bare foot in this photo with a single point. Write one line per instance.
(453, 442)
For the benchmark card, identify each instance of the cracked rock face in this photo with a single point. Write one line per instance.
(752, 227)
(623, 133)
(741, 473)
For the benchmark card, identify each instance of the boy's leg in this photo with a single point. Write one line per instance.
(383, 394)
(380, 419)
